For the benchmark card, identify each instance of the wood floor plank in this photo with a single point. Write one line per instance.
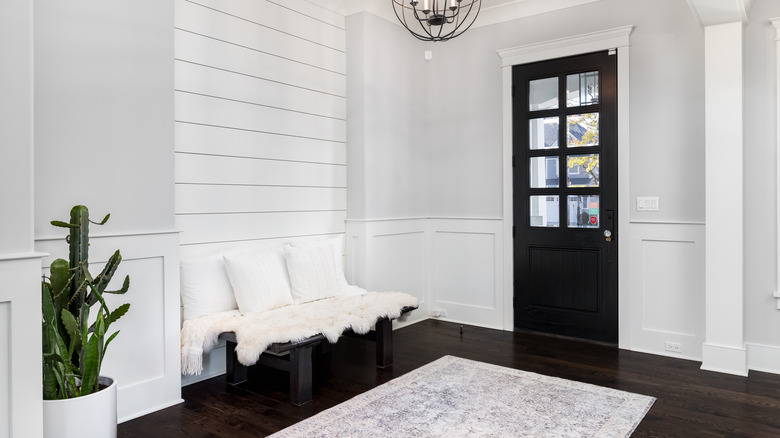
(690, 402)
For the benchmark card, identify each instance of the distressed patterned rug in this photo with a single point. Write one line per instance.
(454, 397)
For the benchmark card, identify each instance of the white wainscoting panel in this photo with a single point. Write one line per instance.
(455, 265)
(465, 269)
(399, 263)
(468, 270)
(21, 409)
(667, 288)
(144, 358)
(389, 255)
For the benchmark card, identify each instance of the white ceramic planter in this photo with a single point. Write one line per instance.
(91, 416)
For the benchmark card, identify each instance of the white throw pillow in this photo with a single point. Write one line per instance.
(259, 279)
(312, 273)
(335, 243)
(205, 287)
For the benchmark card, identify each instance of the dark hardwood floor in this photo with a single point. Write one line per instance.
(690, 402)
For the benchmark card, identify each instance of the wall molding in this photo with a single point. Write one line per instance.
(654, 222)
(22, 256)
(724, 359)
(569, 46)
(99, 235)
(764, 358)
(724, 242)
(776, 24)
(414, 218)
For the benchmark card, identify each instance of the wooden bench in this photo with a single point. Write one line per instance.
(296, 357)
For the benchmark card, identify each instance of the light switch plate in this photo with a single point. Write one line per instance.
(647, 203)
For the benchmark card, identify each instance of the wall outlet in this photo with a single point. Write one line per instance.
(647, 203)
(437, 313)
(674, 347)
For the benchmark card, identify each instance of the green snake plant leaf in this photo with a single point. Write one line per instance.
(110, 338)
(90, 366)
(53, 347)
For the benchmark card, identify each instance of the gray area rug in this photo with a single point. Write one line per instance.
(454, 397)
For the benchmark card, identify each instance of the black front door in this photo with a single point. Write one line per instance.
(565, 196)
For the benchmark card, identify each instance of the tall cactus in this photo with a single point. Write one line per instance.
(73, 349)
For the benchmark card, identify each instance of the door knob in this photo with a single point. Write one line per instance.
(608, 235)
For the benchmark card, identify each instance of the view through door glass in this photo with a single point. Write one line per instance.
(565, 196)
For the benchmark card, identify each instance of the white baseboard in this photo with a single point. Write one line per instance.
(763, 358)
(724, 359)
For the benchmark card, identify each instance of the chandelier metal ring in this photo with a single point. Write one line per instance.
(436, 20)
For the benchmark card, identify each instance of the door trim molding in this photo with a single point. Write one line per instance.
(615, 38)
(776, 24)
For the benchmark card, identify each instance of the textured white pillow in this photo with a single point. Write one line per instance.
(312, 273)
(205, 287)
(335, 243)
(259, 279)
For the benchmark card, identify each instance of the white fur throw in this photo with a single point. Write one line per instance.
(256, 331)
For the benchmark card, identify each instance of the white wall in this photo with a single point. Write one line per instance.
(20, 267)
(104, 138)
(387, 133)
(666, 112)
(260, 127)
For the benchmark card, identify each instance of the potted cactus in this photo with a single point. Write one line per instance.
(76, 323)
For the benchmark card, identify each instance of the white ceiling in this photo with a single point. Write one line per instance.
(492, 11)
(711, 12)
(708, 12)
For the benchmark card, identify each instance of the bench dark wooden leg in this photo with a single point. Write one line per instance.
(384, 343)
(235, 372)
(301, 381)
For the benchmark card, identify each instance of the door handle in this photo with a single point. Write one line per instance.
(608, 221)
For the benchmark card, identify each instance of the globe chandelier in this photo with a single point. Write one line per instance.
(436, 20)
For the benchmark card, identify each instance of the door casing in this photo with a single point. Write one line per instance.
(609, 39)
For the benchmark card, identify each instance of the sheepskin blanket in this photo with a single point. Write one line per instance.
(256, 331)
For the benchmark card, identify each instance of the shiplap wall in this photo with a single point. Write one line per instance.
(260, 122)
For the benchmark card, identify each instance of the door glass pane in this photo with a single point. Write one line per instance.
(583, 211)
(582, 130)
(582, 89)
(543, 94)
(543, 172)
(544, 211)
(582, 170)
(543, 133)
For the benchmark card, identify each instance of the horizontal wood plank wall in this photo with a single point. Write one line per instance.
(260, 122)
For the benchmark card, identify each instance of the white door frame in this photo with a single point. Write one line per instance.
(610, 39)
